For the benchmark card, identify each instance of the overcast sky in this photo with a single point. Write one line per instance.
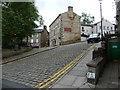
(50, 9)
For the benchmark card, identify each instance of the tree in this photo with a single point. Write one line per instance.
(87, 18)
(18, 21)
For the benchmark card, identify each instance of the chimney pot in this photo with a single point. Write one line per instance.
(70, 8)
(45, 27)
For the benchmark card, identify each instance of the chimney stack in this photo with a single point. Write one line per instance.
(45, 27)
(70, 11)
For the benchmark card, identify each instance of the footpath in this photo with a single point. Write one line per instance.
(76, 77)
(26, 54)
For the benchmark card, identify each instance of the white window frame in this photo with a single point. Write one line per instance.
(37, 41)
(37, 35)
(32, 40)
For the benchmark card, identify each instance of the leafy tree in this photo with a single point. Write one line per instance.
(87, 18)
(18, 21)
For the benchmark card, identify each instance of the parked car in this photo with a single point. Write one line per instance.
(94, 38)
(35, 45)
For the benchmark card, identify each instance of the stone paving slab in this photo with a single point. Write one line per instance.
(77, 73)
(62, 86)
(79, 81)
(110, 76)
(88, 85)
(68, 80)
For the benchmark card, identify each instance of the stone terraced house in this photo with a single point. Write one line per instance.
(40, 38)
(65, 29)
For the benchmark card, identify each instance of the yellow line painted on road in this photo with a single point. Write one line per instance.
(91, 46)
(72, 62)
(56, 77)
(55, 74)
(63, 70)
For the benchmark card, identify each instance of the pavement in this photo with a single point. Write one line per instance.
(110, 77)
(26, 54)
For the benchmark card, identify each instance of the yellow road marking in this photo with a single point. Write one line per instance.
(63, 70)
(56, 77)
(91, 46)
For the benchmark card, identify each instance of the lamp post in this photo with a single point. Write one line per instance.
(101, 18)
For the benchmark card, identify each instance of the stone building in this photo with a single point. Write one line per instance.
(65, 29)
(40, 38)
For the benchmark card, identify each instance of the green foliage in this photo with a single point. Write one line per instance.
(87, 18)
(18, 21)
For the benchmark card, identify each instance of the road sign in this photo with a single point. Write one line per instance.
(90, 75)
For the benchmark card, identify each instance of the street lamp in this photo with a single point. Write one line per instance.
(101, 18)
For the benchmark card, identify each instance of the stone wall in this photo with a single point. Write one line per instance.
(44, 38)
(72, 21)
(55, 32)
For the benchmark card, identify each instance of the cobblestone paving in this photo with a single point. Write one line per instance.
(34, 70)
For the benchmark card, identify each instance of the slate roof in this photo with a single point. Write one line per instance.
(38, 30)
(86, 24)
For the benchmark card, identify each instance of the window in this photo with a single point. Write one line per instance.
(107, 28)
(32, 35)
(82, 28)
(36, 40)
(37, 35)
(31, 40)
(111, 28)
(47, 37)
(104, 28)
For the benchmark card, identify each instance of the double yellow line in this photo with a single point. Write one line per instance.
(62, 71)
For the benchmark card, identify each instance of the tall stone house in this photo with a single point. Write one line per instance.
(65, 29)
(40, 38)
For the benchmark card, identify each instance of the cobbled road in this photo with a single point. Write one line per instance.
(34, 70)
